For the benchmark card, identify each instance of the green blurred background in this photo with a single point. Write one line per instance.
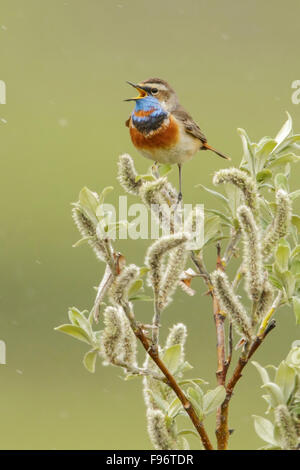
(65, 64)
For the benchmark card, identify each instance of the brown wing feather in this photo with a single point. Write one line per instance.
(127, 122)
(189, 124)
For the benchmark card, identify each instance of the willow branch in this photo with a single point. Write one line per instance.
(169, 379)
(237, 374)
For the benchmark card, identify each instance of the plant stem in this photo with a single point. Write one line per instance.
(223, 364)
(170, 380)
(223, 431)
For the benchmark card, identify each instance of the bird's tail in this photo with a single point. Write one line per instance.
(208, 147)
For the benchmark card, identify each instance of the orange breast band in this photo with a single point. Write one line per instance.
(164, 137)
(143, 113)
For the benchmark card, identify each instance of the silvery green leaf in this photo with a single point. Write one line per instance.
(265, 146)
(88, 200)
(216, 238)
(262, 372)
(281, 182)
(296, 307)
(283, 160)
(97, 338)
(188, 431)
(296, 252)
(263, 175)
(295, 267)
(104, 193)
(218, 195)
(276, 282)
(282, 255)
(219, 214)
(141, 297)
(264, 429)
(82, 241)
(293, 139)
(275, 392)
(89, 360)
(136, 286)
(174, 408)
(296, 221)
(285, 379)
(184, 367)
(287, 279)
(263, 150)
(284, 132)
(75, 331)
(248, 149)
(161, 403)
(211, 228)
(268, 399)
(144, 177)
(234, 198)
(172, 357)
(144, 270)
(196, 400)
(131, 376)
(192, 382)
(295, 194)
(184, 445)
(164, 170)
(74, 316)
(78, 318)
(289, 282)
(213, 399)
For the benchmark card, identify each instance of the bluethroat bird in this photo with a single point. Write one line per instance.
(161, 129)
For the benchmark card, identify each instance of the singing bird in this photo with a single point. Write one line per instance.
(161, 129)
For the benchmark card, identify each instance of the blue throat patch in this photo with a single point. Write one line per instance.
(153, 120)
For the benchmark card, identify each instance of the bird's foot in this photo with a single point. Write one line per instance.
(179, 199)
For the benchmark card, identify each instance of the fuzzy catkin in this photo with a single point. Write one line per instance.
(118, 292)
(155, 255)
(127, 175)
(112, 336)
(265, 302)
(129, 344)
(231, 304)
(177, 335)
(158, 432)
(87, 228)
(244, 182)
(252, 259)
(280, 224)
(153, 195)
(176, 263)
(286, 427)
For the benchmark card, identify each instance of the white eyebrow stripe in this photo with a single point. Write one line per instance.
(159, 86)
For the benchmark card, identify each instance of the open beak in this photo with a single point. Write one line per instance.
(142, 92)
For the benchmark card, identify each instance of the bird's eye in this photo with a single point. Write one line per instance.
(154, 91)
